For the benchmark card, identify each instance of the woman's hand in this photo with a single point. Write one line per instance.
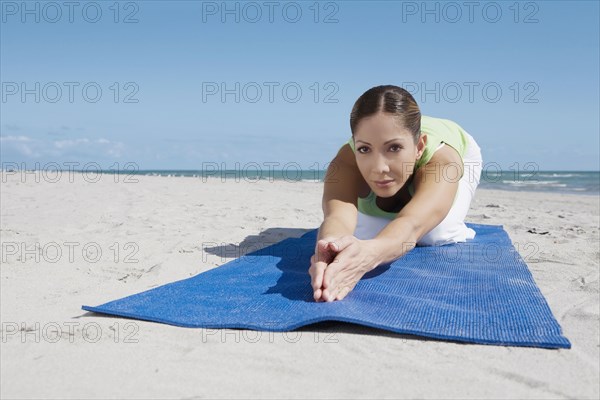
(352, 259)
(325, 252)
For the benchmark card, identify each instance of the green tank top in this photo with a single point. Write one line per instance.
(438, 131)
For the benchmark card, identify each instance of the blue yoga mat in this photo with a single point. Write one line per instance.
(480, 291)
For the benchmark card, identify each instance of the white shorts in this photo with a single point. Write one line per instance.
(452, 229)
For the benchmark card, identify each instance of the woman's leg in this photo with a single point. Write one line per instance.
(368, 226)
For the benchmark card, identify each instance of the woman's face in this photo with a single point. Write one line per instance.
(386, 153)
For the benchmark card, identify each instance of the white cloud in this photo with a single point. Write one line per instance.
(68, 143)
(19, 138)
(24, 146)
(21, 144)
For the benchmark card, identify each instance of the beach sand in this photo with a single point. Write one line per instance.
(159, 229)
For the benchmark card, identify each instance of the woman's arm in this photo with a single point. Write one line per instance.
(340, 195)
(340, 213)
(434, 195)
(436, 184)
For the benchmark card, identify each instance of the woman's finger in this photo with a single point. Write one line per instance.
(341, 243)
(318, 294)
(318, 271)
(330, 275)
(323, 244)
(332, 293)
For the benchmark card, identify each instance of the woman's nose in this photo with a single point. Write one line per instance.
(381, 165)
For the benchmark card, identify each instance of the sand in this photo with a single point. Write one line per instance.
(162, 229)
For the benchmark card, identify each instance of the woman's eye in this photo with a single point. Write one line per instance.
(397, 147)
(361, 148)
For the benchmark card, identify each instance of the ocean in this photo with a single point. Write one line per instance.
(574, 182)
(577, 182)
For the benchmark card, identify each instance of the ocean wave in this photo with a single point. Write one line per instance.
(559, 175)
(536, 183)
(311, 180)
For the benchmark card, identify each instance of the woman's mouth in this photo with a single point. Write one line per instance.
(383, 184)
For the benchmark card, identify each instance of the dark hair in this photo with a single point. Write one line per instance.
(388, 99)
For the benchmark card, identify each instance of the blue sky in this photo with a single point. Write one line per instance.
(522, 78)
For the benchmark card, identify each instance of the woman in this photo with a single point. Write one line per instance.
(402, 180)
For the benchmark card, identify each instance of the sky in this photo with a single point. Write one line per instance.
(187, 84)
